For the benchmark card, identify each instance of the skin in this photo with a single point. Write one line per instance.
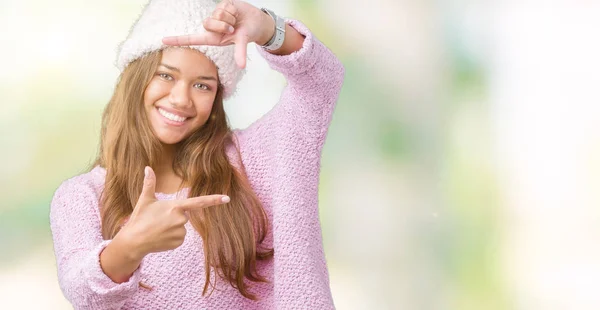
(237, 22)
(185, 85)
(154, 225)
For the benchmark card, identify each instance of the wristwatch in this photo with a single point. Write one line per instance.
(277, 40)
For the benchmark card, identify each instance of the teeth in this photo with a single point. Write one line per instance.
(171, 116)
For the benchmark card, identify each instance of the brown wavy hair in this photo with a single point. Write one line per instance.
(232, 233)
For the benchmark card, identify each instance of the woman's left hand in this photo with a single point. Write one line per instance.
(232, 22)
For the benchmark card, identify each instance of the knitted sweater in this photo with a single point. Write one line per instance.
(281, 153)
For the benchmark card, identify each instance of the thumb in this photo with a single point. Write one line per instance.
(148, 191)
(240, 51)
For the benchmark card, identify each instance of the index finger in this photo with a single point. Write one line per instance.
(202, 202)
(188, 39)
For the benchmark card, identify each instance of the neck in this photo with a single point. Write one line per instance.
(166, 180)
(165, 163)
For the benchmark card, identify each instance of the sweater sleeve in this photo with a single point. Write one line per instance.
(301, 118)
(75, 225)
(281, 152)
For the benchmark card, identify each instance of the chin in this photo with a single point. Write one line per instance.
(169, 140)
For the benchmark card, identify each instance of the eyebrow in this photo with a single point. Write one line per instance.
(202, 77)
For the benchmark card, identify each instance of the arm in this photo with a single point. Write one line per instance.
(281, 153)
(293, 39)
(75, 225)
(303, 113)
(119, 260)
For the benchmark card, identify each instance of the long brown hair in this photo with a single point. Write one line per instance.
(232, 233)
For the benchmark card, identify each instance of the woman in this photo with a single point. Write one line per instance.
(181, 212)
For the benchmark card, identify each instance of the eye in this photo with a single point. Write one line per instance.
(165, 76)
(202, 86)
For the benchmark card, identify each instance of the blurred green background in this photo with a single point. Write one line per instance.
(461, 169)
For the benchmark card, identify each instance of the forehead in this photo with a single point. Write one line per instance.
(188, 61)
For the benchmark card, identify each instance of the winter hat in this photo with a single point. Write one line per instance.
(162, 18)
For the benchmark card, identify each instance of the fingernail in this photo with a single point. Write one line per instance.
(225, 199)
(146, 172)
(231, 30)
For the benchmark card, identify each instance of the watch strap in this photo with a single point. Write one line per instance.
(276, 41)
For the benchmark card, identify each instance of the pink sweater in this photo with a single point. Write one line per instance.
(281, 152)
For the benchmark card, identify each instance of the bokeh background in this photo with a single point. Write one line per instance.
(461, 170)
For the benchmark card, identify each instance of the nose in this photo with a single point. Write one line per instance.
(179, 96)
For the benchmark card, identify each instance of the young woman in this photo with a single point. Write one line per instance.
(181, 212)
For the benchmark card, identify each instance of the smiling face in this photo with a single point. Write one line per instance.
(179, 98)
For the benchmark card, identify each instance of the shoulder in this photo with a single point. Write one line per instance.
(86, 186)
(74, 209)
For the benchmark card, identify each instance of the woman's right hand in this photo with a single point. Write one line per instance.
(158, 225)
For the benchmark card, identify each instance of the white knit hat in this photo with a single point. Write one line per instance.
(162, 18)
